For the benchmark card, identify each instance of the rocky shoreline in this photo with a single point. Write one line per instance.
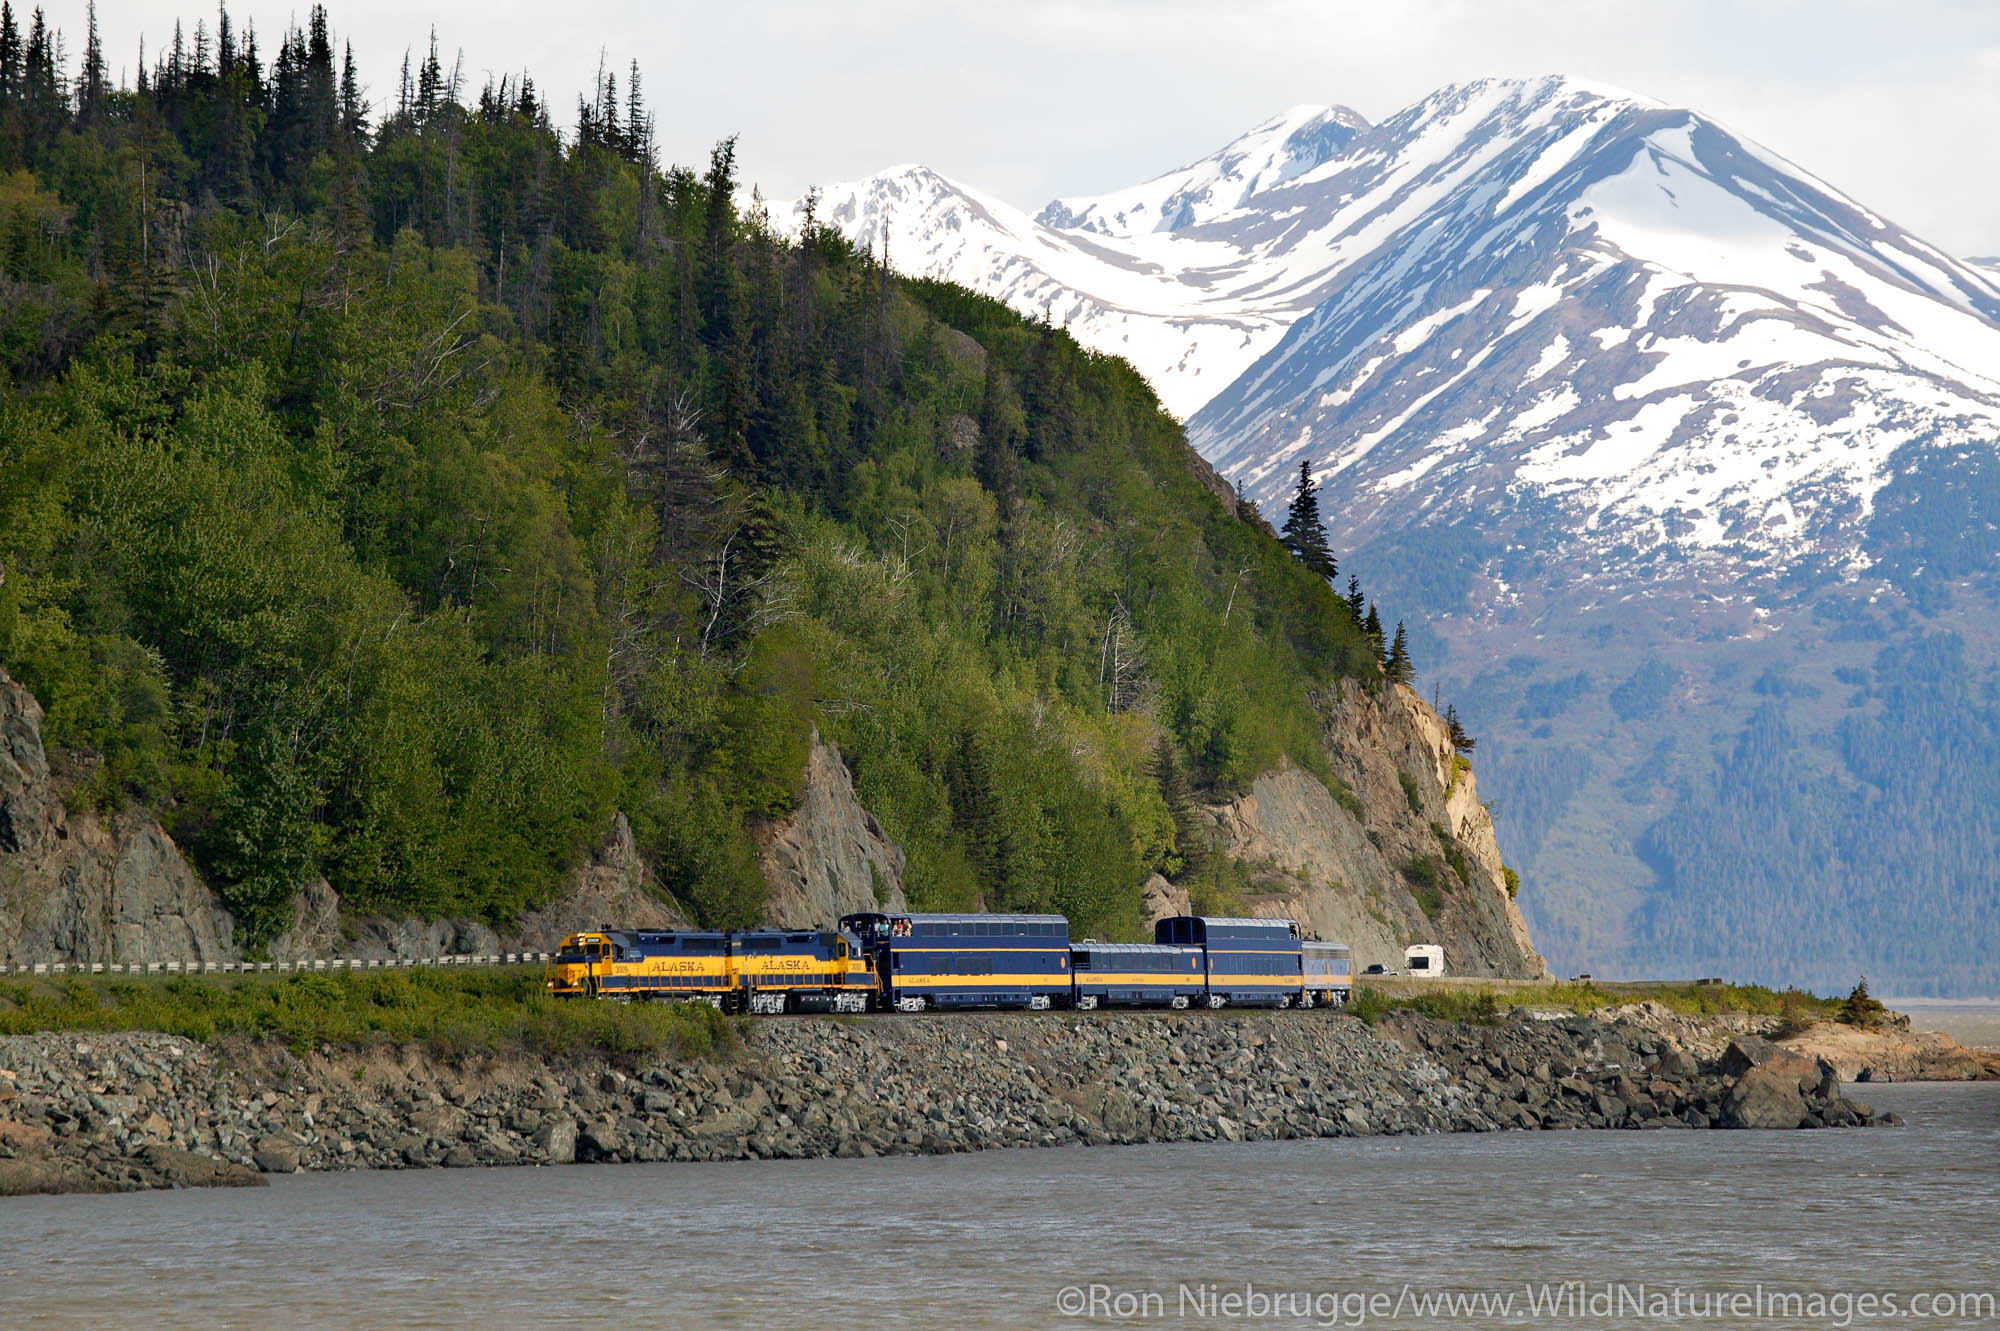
(83, 1112)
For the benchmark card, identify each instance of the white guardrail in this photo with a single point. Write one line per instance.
(257, 967)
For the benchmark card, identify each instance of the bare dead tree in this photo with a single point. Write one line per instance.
(1121, 660)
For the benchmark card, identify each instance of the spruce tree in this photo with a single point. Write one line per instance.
(319, 87)
(1861, 1007)
(10, 55)
(997, 463)
(1460, 740)
(1357, 605)
(1304, 533)
(41, 94)
(976, 814)
(638, 125)
(1191, 849)
(1372, 626)
(1396, 666)
(93, 90)
(353, 112)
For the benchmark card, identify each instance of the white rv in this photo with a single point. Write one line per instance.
(1423, 959)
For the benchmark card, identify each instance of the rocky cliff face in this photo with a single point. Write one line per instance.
(1403, 852)
(830, 857)
(1400, 851)
(83, 886)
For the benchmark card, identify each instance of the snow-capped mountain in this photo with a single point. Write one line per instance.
(1516, 290)
(1681, 463)
(1550, 292)
(1177, 311)
(1189, 312)
(1282, 148)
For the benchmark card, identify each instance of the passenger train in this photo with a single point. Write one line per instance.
(914, 963)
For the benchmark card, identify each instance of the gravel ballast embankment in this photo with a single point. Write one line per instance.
(114, 1112)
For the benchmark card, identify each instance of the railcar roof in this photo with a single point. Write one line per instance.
(1238, 921)
(658, 935)
(915, 918)
(1183, 948)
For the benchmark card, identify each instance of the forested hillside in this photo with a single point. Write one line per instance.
(393, 501)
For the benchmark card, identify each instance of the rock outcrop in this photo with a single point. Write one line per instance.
(1164, 900)
(614, 890)
(829, 857)
(86, 886)
(1890, 1051)
(1894, 1053)
(1403, 853)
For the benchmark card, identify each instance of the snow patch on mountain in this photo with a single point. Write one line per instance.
(1282, 148)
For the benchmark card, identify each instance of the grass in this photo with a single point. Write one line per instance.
(1694, 1000)
(453, 1013)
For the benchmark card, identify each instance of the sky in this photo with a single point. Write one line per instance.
(1896, 104)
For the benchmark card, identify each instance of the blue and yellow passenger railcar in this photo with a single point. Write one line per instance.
(1329, 973)
(777, 970)
(1136, 975)
(643, 963)
(1252, 962)
(944, 961)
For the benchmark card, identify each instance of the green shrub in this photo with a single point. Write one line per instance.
(1344, 796)
(1426, 879)
(1454, 855)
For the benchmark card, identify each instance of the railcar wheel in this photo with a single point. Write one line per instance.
(1088, 1003)
(1215, 1001)
(1284, 1001)
(1180, 1003)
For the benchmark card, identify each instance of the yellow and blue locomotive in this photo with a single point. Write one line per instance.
(777, 970)
(762, 971)
(641, 963)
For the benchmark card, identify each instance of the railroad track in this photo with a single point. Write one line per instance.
(52, 968)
